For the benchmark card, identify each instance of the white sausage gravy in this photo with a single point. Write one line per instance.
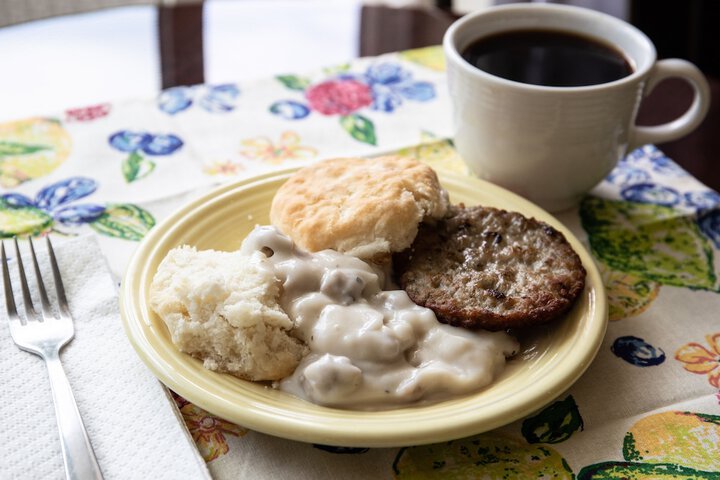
(370, 349)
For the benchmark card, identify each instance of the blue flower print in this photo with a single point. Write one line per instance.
(634, 156)
(624, 176)
(637, 351)
(663, 165)
(391, 84)
(651, 193)
(52, 205)
(78, 214)
(54, 208)
(212, 98)
(703, 200)
(127, 141)
(162, 145)
(220, 98)
(382, 87)
(289, 110)
(174, 100)
(136, 166)
(387, 74)
(709, 223)
(652, 158)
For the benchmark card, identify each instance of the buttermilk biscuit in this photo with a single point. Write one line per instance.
(487, 268)
(222, 308)
(364, 208)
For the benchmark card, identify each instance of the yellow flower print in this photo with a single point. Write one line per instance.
(437, 152)
(628, 294)
(30, 149)
(682, 438)
(430, 57)
(208, 431)
(287, 148)
(224, 168)
(698, 359)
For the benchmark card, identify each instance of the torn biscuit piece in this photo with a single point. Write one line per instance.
(223, 309)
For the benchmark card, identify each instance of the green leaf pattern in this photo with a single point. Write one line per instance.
(642, 471)
(136, 166)
(125, 221)
(490, 455)
(360, 128)
(654, 242)
(554, 424)
(294, 82)
(21, 221)
(15, 148)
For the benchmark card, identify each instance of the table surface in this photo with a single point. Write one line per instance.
(648, 406)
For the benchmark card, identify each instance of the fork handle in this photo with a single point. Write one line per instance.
(78, 455)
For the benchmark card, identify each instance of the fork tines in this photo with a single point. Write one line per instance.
(30, 312)
(46, 338)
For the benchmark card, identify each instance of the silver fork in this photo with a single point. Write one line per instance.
(44, 336)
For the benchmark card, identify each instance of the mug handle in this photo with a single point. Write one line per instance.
(687, 122)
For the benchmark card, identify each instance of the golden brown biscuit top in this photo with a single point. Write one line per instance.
(363, 207)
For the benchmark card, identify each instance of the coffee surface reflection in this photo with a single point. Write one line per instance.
(548, 58)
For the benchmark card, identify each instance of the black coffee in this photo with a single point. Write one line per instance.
(547, 57)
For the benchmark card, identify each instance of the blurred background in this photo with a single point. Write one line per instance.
(113, 53)
(58, 54)
(89, 51)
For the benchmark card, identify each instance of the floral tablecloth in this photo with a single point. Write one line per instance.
(649, 405)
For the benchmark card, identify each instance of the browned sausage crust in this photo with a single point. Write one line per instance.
(486, 268)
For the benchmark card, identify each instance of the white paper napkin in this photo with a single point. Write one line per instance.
(132, 423)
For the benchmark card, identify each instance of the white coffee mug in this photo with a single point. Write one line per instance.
(553, 144)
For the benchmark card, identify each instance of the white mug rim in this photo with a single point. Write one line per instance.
(639, 71)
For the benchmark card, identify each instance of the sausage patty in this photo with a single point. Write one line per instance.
(481, 267)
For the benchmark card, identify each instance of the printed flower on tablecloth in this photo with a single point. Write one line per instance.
(488, 455)
(649, 156)
(629, 294)
(429, 57)
(287, 148)
(437, 152)
(224, 168)
(211, 98)
(665, 445)
(87, 114)
(31, 149)
(651, 241)
(54, 209)
(651, 193)
(646, 175)
(703, 361)
(339, 97)
(137, 166)
(556, 423)
(624, 175)
(382, 87)
(709, 223)
(207, 430)
(636, 351)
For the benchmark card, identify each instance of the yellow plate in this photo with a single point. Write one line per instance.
(552, 359)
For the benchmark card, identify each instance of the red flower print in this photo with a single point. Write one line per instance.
(87, 114)
(339, 97)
